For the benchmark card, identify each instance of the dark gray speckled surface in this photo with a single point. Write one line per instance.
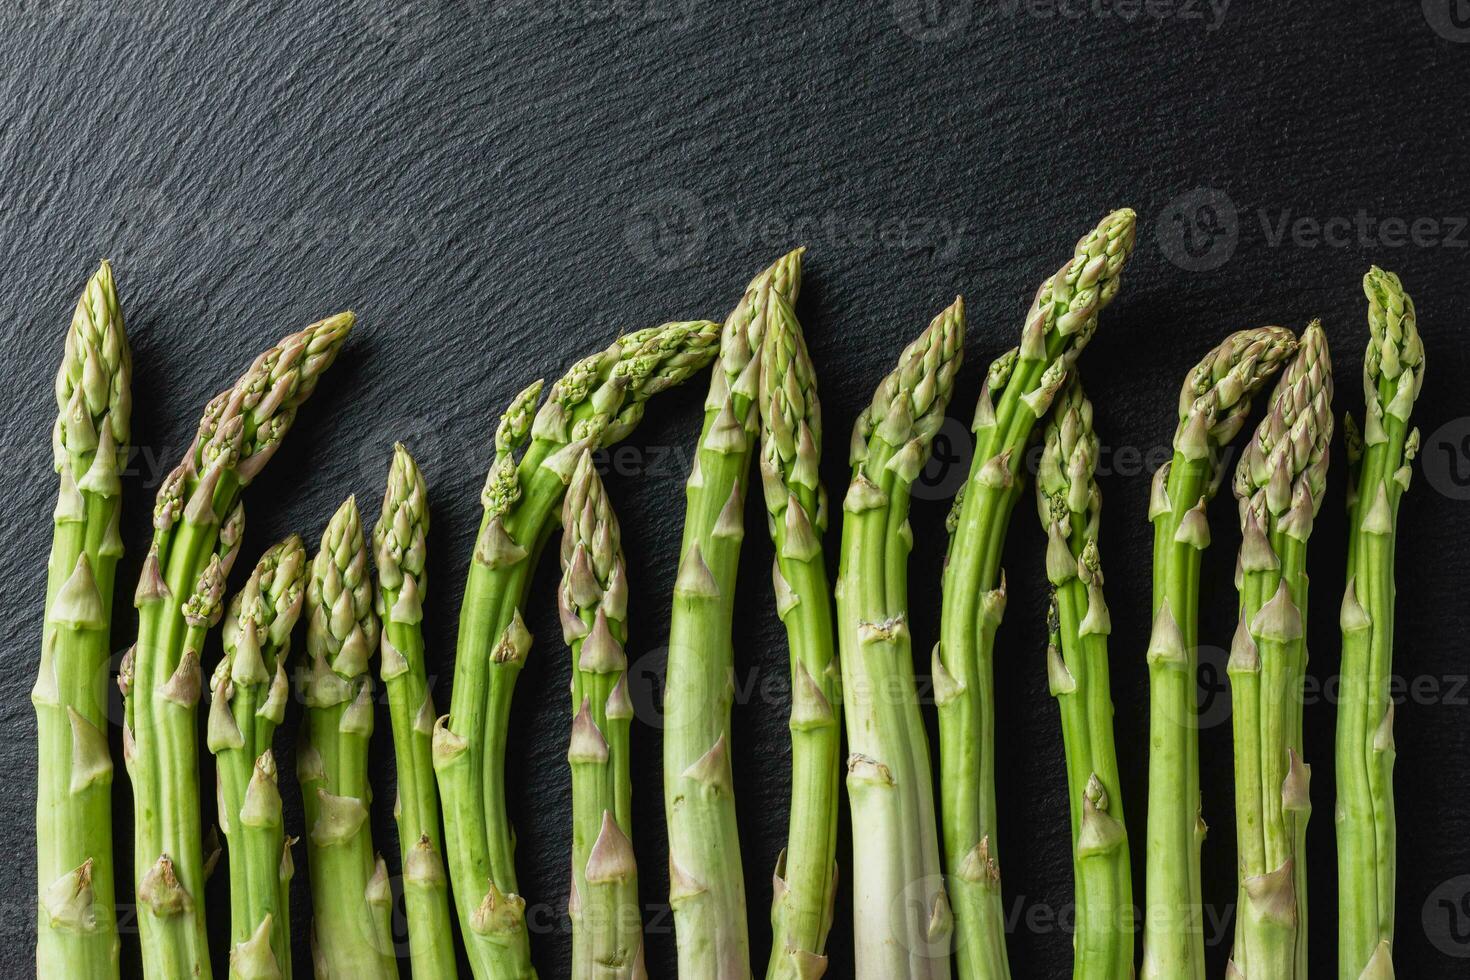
(498, 185)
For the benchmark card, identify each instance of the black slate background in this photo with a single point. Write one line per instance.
(500, 185)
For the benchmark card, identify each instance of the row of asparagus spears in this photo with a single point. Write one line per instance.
(924, 903)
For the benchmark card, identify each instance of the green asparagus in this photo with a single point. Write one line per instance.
(598, 402)
(1279, 484)
(1017, 392)
(399, 545)
(197, 523)
(805, 880)
(902, 925)
(250, 689)
(706, 883)
(1380, 458)
(607, 930)
(1213, 406)
(1077, 671)
(350, 897)
(76, 931)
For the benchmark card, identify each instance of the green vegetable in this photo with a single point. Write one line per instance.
(1018, 390)
(76, 931)
(350, 897)
(250, 689)
(607, 931)
(1213, 406)
(197, 523)
(598, 402)
(400, 546)
(791, 444)
(1380, 458)
(707, 885)
(1279, 485)
(1069, 504)
(901, 918)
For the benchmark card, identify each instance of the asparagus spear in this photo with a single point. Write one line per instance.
(197, 523)
(607, 931)
(1213, 406)
(249, 701)
(76, 931)
(1279, 484)
(1381, 456)
(706, 883)
(350, 898)
(1017, 392)
(791, 440)
(1077, 668)
(598, 402)
(399, 546)
(901, 918)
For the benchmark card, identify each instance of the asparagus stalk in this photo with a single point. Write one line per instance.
(399, 545)
(1069, 504)
(1213, 406)
(76, 931)
(902, 924)
(598, 402)
(1279, 484)
(350, 898)
(1381, 458)
(805, 880)
(250, 689)
(607, 930)
(1017, 392)
(197, 523)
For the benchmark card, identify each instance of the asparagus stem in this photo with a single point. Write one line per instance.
(250, 689)
(707, 885)
(197, 522)
(351, 904)
(1279, 484)
(607, 930)
(1213, 406)
(791, 439)
(1077, 666)
(1018, 391)
(399, 546)
(1393, 372)
(598, 402)
(76, 931)
(901, 917)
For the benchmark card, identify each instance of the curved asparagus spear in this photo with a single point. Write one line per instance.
(706, 884)
(76, 931)
(607, 930)
(1279, 484)
(1381, 458)
(250, 689)
(197, 523)
(1017, 392)
(901, 918)
(599, 401)
(791, 441)
(1213, 406)
(1069, 504)
(350, 898)
(399, 545)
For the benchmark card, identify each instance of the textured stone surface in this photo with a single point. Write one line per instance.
(498, 185)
